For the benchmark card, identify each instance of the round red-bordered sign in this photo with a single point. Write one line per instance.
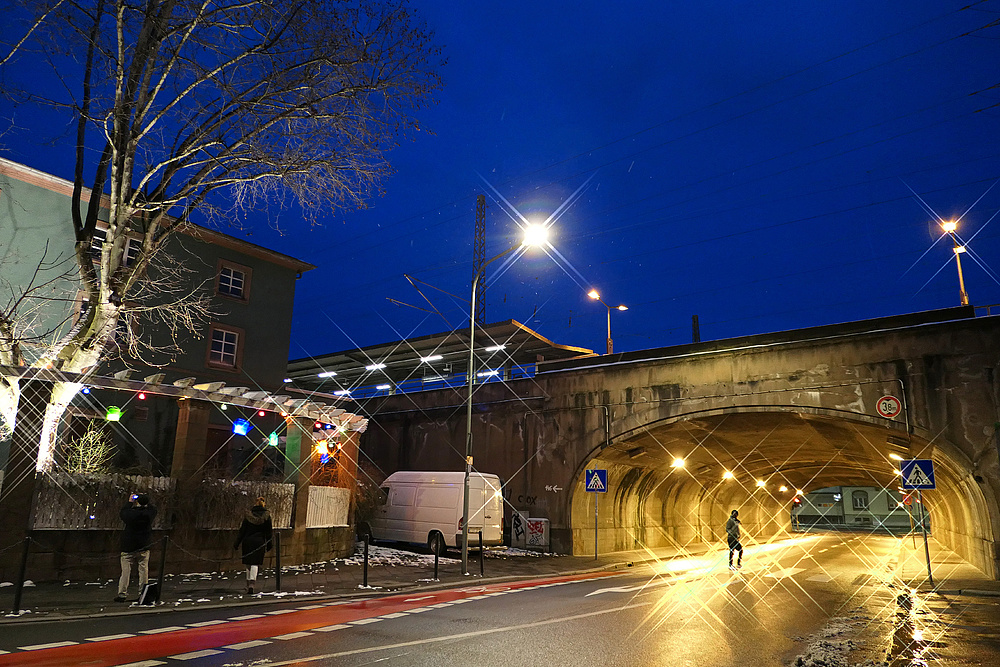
(888, 406)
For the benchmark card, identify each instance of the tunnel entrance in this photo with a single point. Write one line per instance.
(674, 482)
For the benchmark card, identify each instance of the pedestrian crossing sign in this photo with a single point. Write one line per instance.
(597, 481)
(917, 474)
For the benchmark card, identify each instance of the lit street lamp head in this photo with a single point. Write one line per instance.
(622, 307)
(594, 294)
(535, 235)
(949, 226)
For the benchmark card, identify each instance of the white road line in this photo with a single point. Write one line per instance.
(463, 635)
(281, 611)
(440, 605)
(418, 610)
(426, 597)
(171, 628)
(312, 606)
(202, 624)
(250, 644)
(364, 621)
(246, 617)
(398, 614)
(108, 637)
(331, 628)
(195, 654)
(785, 572)
(39, 647)
(144, 663)
(292, 635)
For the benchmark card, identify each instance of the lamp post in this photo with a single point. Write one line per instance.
(594, 294)
(949, 227)
(533, 235)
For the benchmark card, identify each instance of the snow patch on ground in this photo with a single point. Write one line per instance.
(833, 645)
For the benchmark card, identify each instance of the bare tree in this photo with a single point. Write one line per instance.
(210, 108)
(92, 452)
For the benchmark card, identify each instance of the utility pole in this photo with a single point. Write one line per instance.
(479, 260)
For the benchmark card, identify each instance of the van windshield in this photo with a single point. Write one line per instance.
(383, 495)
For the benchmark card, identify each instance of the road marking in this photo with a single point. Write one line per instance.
(250, 644)
(281, 611)
(331, 628)
(292, 635)
(418, 610)
(195, 654)
(823, 578)
(39, 647)
(426, 597)
(247, 617)
(108, 637)
(463, 635)
(785, 573)
(312, 606)
(157, 631)
(144, 663)
(203, 624)
(440, 605)
(398, 614)
(822, 551)
(365, 621)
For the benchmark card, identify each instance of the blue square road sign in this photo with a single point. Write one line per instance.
(597, 481)
(917, 474)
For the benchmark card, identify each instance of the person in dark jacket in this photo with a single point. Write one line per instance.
(137, 537)
(733, 537)
(255, 536)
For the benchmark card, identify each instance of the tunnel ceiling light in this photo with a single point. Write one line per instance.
(895, 457)
(800, 492)
(326, 374)
(761, 483)
(495, 348)
(287, 380)
(375, 367)
(783, 488)
(678, 463)
(727, 474)
(383, 387)
(433, 357)
(342, 392)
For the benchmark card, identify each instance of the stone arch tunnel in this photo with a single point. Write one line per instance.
(794, 409)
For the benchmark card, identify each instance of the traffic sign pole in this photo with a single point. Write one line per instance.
(595, 525)
(923, 528)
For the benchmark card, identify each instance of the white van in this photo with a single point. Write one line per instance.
(426, 508)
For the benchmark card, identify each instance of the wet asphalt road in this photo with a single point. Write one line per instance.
(816, 596)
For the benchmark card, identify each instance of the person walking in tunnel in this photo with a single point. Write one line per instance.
(733, 536)
(255, 537)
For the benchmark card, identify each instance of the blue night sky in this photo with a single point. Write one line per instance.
(757, 164)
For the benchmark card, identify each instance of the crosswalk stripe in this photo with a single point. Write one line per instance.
(292, 635)
(39, 647)
(108, 637)
(250, 644)
(204, 653)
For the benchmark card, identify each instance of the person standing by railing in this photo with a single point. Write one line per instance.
(137, 537)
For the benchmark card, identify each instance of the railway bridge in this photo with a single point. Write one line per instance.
(689, 432)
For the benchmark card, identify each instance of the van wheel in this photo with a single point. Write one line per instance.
(437, 544)
(364, 530)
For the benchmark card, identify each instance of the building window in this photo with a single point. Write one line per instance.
(132, 249)
(234, 281)
(224, 350)
(97, 242)
(860, 500)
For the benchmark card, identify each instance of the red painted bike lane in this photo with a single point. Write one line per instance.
(152, 646)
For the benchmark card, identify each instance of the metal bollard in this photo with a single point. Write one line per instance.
(435, 565)
(482, 554)
(19, 586)
(277, 562)
(366, 561)
(163, 563)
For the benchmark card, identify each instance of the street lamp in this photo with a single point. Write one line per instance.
(594, 294)
(534, 235)
(949, 227)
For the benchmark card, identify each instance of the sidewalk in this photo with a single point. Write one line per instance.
(950, 573)
(389, 570)
(392, 570)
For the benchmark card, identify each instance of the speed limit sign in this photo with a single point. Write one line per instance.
(888, 407)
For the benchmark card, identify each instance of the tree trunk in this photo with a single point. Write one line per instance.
(17, 496)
